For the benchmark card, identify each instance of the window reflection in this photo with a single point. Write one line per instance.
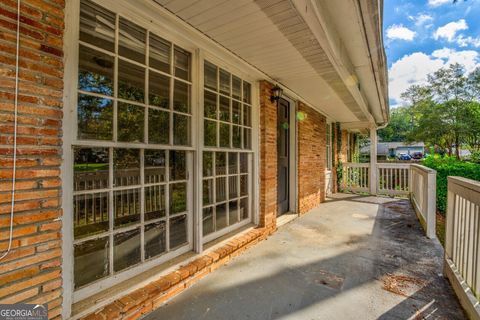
(131, 43)
(91, 261)
(95, 71)
(158, 126)
(95, 118)
(97, 25)
(131, 81)
(131, 120)
(126, 249)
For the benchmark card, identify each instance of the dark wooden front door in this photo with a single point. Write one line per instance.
(283, 156)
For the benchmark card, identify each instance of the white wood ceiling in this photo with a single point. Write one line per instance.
(271, 35)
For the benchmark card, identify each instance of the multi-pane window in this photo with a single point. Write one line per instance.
(227, 130)
(328, 143)
(227, 110)
(131, 189)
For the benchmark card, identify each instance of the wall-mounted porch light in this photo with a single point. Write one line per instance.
(277, 93)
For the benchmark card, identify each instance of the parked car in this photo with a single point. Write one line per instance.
(417, 156)
(404, 156)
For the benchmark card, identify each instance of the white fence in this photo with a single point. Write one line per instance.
(393, 179)
(423, 185)
(462, 242)
(397, 179)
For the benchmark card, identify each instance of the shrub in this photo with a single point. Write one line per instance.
(449, 166)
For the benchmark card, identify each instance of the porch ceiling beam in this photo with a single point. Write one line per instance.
(318, 21)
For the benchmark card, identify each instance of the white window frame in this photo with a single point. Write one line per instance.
(206, 56)
(328, 146)
(151, 17)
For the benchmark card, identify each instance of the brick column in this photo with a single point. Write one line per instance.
(268, 158)
(311, 159)
(31, 272)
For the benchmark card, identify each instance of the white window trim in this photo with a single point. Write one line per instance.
(329, 165)
(172, 29)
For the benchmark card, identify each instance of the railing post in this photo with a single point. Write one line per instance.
(373, 161)
(449, 222)
(431, 204)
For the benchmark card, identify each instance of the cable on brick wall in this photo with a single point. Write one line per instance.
(14, 166)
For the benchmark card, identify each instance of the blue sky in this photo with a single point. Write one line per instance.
(422, 36)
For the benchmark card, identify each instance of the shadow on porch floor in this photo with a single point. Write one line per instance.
(354, 257)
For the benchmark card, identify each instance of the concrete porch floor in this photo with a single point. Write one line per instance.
(354, 257)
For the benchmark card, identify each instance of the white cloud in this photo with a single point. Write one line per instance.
(422, 19)
(400, 32)
(450, 30)
(414, 68)
(437, 3)
(463, 41)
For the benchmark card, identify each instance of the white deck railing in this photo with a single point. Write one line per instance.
(356, 177)
(397, 179)
(423, 185)
(462, 242)
(393, 179)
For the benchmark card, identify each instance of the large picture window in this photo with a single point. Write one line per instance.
(226, 187)
(132, 152)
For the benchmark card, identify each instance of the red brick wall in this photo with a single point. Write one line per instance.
(268, 158)
(311, 159)
(31, 272)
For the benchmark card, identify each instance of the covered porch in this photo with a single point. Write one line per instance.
(352, 256)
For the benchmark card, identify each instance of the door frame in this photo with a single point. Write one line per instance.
(292, 161)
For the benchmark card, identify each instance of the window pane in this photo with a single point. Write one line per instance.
(126, 250)
(221, 216)
(131, 81)
(207, 164)
(207, 220)
(244, 208)
(178, 231)
(178, 198)
(178, 165)
(247, 138)
(232, 163)
(126, 167)
(236, 106)
(154, 166)
(243, 185)
(221, 189)
(181, 97)
(131, 42)
(224, 82)
(131, 121)
(236, 88)
(154, 202)
(210, 133)
(91, 261)
(210, 105)
(95, 118)
(159, 90)
(210, 72)
(155, 239)
(233, 212)
(247, 115)
(97, 25)
(158, 126)
(236, 137)
(232, 187)
(95, 71)
(220, 163)
(243, 162)
(159, 54)
(208, 192)
(224, 135)
(90, 214)
(181, 130)
(90, 168)
(247, 96)
(126, 207)
(224, 111)
(182, 64)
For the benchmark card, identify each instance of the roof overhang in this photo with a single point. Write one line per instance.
(301, 45)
